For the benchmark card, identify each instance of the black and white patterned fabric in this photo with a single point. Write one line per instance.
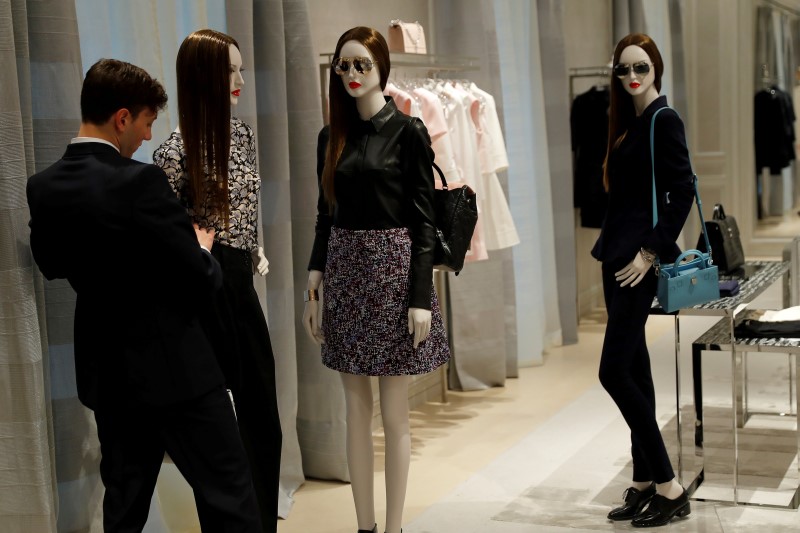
(244, 185)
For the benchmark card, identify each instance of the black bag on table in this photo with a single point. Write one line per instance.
(723, 234)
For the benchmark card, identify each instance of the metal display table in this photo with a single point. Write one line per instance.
(719, 338)
(754, 279)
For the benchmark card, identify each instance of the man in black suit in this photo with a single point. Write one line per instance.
(113, 228)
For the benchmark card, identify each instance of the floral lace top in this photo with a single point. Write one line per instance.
(244, 184)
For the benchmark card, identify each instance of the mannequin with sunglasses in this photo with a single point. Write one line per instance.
(374, 252)
(211, 165)
(627, 247)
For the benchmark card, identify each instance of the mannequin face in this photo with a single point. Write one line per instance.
(363, 81)
(237, 82)
(635, 58)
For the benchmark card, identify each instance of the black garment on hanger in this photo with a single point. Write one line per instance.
(773, 122)
(589, 125)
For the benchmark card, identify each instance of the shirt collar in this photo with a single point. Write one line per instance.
(79, 140)
(384, 115)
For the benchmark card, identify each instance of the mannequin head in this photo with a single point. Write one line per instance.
(635, 52)
(236, 79)
(208, 71)
(361, 42)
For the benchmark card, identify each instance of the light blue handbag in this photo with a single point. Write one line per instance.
(684, 283)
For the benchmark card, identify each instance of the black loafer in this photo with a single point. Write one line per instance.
(373, 530)
(635, 501)
(661, 510)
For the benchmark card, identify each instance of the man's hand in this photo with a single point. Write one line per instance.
(204, 236)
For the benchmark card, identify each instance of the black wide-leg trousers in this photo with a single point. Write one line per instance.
(625, 371)
(240, 337)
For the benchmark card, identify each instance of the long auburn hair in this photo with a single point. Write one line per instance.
(621, 113)
(204, 111)
(343, 112)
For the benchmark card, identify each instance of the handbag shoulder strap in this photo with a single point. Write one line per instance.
(409, 126)
(698, 202)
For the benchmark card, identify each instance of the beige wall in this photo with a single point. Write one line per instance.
(588, 43)
(329, 19)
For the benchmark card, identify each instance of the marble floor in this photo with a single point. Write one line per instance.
(548, 452)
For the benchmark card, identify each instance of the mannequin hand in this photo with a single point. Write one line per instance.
(260, 263)
(634, 272)
(419, 323)
(311, 321)
(204, 236)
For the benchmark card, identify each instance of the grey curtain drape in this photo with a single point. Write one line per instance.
(628, 17)
(276, 35)
(482, 296)
(556, 97)
(39, 71)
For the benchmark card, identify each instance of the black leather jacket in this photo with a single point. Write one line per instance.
(384, 180)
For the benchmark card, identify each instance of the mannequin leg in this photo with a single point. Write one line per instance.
(394, 411)
(360, 454)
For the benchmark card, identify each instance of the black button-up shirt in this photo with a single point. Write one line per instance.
(384, 180)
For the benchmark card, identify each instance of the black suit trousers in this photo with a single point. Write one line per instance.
(625, 371)
(201, 438)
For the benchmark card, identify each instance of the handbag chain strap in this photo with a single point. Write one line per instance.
(698, 202)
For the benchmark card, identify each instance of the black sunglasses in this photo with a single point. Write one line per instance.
(341, 65)
(623, 69)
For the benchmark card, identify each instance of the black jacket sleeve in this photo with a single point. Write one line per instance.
(319, 252)
(674, 184)
(419, 175)
(163, 223)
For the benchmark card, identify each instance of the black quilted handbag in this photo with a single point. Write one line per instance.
(456, 213)
(723, 234)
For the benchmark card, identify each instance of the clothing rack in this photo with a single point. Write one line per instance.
(432, 64)
(586, 72)
(782, 7)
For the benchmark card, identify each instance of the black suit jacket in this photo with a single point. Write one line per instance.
(628, 225)
(113, 228)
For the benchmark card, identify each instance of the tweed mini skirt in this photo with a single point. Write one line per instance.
(365, 307)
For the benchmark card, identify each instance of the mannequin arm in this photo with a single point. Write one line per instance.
(635, 271)
(260, 263)
(311, 313)
(419, 323)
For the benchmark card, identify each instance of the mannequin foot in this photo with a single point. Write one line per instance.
(670, 490)
(635, 501)
(373, 530)
(662, 510)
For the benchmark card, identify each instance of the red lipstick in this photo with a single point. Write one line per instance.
(237, 92)
(354, 85)
(634, 85)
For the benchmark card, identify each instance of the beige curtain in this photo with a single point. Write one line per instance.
(41, 420)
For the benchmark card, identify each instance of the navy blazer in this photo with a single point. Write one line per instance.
(115, 230)
(628, 225)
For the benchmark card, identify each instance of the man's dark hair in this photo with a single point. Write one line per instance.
(111, 85)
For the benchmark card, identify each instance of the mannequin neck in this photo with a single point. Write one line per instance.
(369, 104)
(641, 101)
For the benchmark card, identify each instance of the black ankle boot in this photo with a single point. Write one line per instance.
(373, 530)
(635, 501)
(661, 510)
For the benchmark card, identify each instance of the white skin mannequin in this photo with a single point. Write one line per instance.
(643, 91)
(260, 263)
(365, 88)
